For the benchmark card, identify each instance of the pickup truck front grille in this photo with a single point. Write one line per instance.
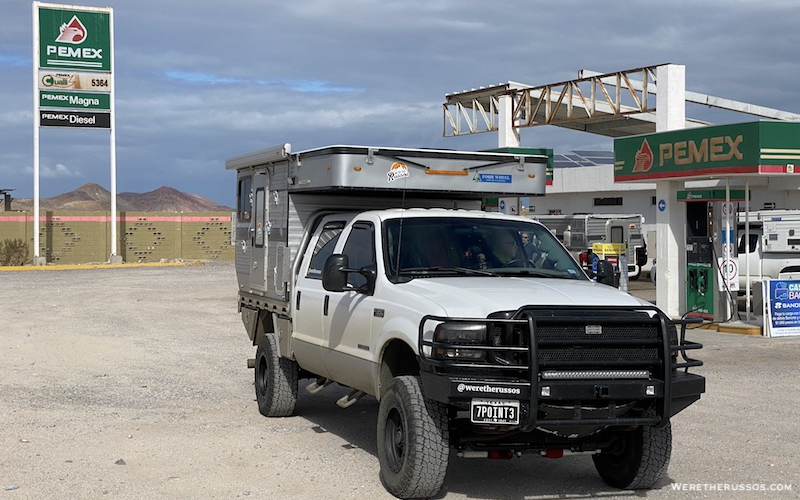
(578, 330)
(518, 344)
(597, 357)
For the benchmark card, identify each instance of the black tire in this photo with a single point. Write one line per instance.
(638, 459)
(413, 440)
(275, 379)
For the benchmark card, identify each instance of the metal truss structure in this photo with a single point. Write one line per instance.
(612, 104)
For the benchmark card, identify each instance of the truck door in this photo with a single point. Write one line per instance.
(751, 255)
(310, 300)
(259, 231)
(348, 322)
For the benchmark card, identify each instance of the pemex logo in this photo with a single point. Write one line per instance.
(644, 158)
(73, 32)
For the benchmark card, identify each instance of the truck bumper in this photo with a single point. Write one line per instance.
(686, 388)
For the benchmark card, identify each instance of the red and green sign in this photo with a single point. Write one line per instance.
(763, 147)
(74, 39)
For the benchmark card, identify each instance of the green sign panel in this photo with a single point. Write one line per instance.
(75, 39)
(710, 195)
(75, 100)
(763, 147)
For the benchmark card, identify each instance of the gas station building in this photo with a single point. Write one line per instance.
(663, 163)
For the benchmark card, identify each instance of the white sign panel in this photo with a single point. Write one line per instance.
(728, 275)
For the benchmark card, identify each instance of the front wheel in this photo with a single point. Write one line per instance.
(638, 459)
(275, 379)
(413, 440)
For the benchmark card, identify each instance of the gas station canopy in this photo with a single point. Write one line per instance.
(617, 104)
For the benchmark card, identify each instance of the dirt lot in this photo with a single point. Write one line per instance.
(132, 384)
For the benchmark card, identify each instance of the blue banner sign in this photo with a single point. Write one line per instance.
(499, 178)
(782, 307)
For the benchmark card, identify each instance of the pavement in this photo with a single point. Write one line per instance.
(131, 383)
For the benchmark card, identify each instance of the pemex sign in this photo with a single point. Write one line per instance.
(73, 65)
(74, 61)
(754, 148)
(73, 38)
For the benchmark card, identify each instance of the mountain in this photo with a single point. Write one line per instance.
(92, 197)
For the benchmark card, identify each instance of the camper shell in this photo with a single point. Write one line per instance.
(579, 232)
(289, 190)
(773, 249)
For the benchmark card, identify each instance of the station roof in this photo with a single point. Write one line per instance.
(618, 104)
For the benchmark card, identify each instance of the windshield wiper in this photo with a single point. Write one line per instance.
(459, 270)
(539, 273)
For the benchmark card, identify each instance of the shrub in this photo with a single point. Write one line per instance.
(13, 252)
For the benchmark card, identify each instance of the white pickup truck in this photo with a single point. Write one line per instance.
(774, 246)
(372, 268)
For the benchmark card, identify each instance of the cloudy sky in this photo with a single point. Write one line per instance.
(198, 81)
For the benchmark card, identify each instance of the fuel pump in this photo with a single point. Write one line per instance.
(699, 260)
(707, 235)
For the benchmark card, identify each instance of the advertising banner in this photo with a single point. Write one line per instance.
(781, 307)
(74, 80)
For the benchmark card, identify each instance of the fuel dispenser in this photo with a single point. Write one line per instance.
(710, 236)
(700, 260)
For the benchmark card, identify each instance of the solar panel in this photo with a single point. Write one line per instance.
(583, 158)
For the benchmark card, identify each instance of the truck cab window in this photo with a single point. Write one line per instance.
(751, 247)
(243, 196)
(360, 251)
(328, 237)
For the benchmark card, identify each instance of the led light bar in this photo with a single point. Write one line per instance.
(594, 374)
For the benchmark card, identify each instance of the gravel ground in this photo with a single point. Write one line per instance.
(132, 383)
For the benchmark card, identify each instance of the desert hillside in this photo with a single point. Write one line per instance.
(92, 197)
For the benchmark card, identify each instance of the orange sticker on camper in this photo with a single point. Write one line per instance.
(399, 170)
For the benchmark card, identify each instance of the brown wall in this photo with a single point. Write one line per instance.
(84, 237)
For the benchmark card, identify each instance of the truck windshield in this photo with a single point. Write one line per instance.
(452, 246)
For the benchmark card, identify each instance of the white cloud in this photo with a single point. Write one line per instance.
(59, 171)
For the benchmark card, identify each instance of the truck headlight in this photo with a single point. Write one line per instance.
(463, 336)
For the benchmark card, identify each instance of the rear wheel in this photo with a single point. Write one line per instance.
(413, 440)
(275, 379)
(638, 459)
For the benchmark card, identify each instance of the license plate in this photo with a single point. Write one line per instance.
(494, 411)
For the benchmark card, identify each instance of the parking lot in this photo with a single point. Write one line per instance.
(131, 383)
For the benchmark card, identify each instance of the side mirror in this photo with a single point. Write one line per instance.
(334, 273)
(605, 273)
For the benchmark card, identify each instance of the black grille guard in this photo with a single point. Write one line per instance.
(656, 337)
